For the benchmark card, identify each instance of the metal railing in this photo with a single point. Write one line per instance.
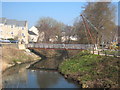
(60, 46)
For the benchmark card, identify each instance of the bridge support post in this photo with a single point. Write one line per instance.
(21, 46)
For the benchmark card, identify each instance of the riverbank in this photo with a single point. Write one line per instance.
(51, 59)
(92, 71)
(12, 56)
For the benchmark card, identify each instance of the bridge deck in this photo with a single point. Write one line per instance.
(60, 46)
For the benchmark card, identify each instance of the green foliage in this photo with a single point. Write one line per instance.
(82, 62)
(10, 39)
(90, 67)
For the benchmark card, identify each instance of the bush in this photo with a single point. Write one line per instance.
(10, 39)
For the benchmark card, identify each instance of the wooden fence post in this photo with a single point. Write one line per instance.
(93, 50)
(105, 53)
(114, 55)
(98, 52)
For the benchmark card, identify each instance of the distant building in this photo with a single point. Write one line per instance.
(34, 29)
(53, 39)
(73, 38)
(68, 35)
(33, 34)
(64, 38)
(14, 29)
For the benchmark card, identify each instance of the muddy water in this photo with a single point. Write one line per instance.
(19, 77)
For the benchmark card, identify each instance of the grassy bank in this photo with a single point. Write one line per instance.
(92, 70)
(11, 56)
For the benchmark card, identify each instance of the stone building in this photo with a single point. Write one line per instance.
(14, 29)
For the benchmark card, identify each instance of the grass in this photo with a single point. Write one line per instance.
(92, 69)
(82, 62)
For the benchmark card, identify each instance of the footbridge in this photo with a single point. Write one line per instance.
(60, 46)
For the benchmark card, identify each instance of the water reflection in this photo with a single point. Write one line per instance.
(23, 78)
(47, 79)
(17, 73)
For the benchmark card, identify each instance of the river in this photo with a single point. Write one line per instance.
(19, 77)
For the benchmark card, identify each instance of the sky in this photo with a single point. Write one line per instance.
(65, 12)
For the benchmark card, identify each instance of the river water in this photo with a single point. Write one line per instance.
(26, 78)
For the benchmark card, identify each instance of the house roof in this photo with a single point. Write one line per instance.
(12, 22)
(31, 33)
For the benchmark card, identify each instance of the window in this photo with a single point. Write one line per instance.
(0, 25)
(0, 30)
(11, 26)
(22, 34)
(22, 28)
(12, 33)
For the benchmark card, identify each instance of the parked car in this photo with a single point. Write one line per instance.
(5, 41)
(14, 41)
(102, 45)
(118, 44)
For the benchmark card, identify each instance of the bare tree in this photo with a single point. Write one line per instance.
(80, 31)
(101, 15)
(51, 28)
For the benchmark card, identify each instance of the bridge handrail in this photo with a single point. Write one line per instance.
(63, 46)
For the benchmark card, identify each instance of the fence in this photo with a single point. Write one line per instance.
(107, 52)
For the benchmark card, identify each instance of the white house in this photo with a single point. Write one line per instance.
(53, 39)
(64, 38)
(73, 38)
(34, 29)
(33, 34)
